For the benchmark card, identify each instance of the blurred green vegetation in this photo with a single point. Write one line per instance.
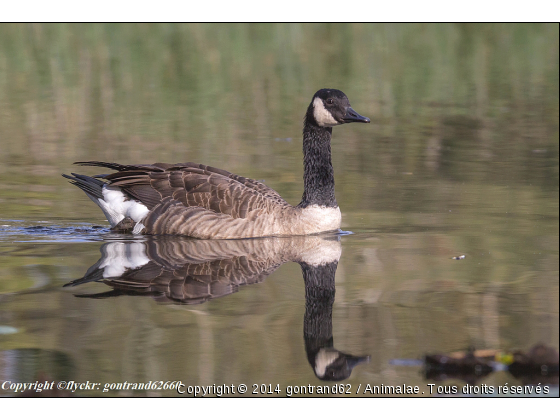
(209, 91)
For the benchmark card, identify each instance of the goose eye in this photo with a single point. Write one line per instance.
(330, 101)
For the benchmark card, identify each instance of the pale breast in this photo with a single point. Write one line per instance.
(320, 219)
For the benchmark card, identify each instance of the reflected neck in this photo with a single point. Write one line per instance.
(319, 299)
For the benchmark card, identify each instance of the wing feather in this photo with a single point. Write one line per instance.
(192, 184)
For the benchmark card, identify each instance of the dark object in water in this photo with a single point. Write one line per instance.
(124, 226)
(470, 365)
(540, 364)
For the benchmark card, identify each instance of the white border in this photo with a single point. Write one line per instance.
(287, 10)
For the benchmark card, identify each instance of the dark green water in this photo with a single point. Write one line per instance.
(461, 158)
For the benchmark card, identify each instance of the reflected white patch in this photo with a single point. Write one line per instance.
(119, 257)
(323, 360)
(116, 206)
(327, 252)
(323, 117)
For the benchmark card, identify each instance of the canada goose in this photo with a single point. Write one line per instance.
(176, 270)
(208, 203)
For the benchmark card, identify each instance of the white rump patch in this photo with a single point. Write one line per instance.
(323, 117)
(119, 257)
(116, 206)
(323, 360)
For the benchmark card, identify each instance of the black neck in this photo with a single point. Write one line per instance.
(318, 174)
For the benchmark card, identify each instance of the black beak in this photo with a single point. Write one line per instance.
(353, 116)
(353, 361)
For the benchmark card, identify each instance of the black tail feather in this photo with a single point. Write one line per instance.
(156, 167)
(89, 185)
(115, 166)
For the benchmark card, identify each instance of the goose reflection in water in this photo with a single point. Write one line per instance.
(184, 271)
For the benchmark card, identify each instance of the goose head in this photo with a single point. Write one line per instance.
(331, 107)
(333, 365)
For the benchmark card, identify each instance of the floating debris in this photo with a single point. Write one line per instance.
(538, 365)
(541, 360)
(464, 365)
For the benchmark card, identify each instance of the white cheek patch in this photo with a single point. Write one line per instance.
(323, 117)
(323, 360)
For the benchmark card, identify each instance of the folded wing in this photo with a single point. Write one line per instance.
(192, 184)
